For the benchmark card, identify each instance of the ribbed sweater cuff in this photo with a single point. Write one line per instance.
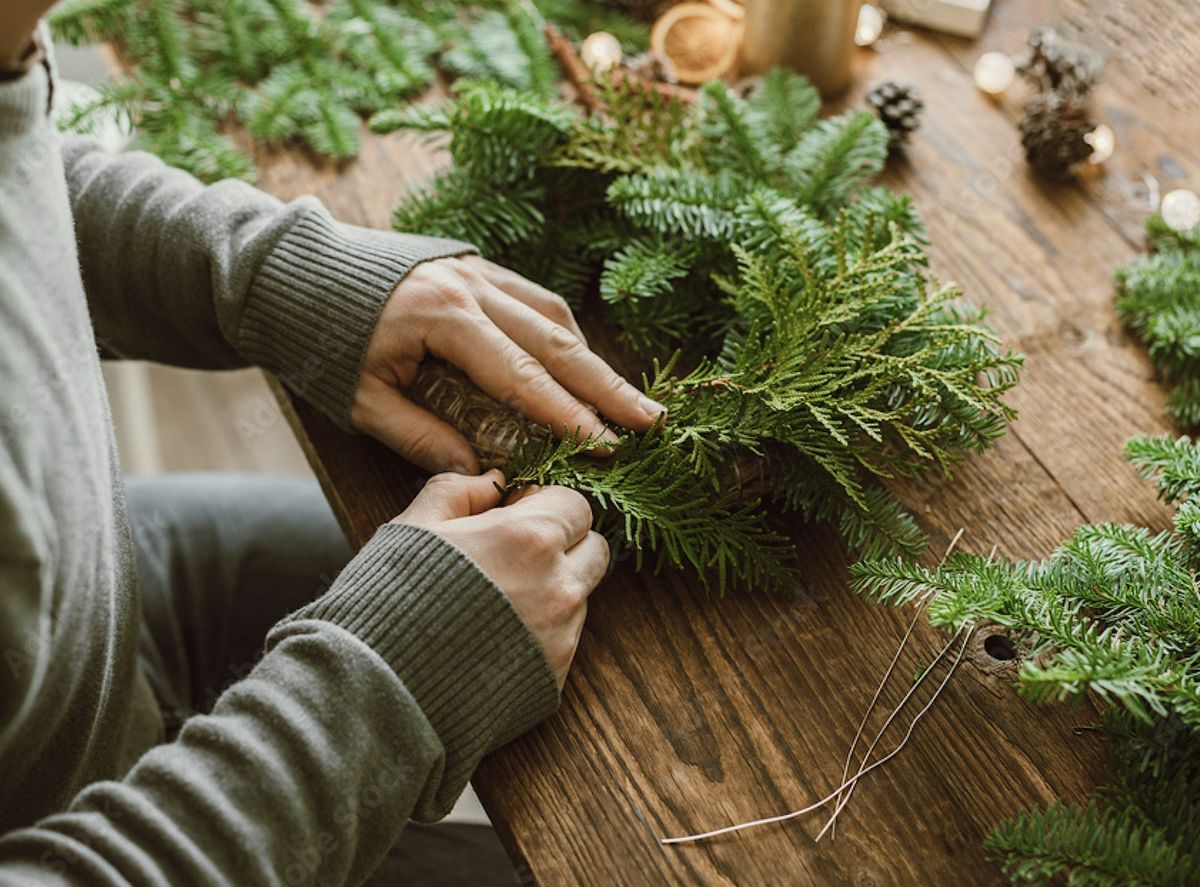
(451, 636)
(316, 299)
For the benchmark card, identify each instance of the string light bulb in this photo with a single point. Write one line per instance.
(1103, 141)
(994, 72)
(870, 24)
(1180, 209)
(600, 52)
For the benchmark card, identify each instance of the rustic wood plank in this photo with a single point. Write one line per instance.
(686, 712)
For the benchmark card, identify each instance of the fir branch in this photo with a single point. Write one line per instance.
(1157, 299)
(88, 21)
(1095, 845)
(782, 108)
(835, 157)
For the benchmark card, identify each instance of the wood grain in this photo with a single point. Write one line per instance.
(686, 712)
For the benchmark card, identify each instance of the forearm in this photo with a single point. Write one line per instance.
(304, 773)
(225, 275)
(372, 705)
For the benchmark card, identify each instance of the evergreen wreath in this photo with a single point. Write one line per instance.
(782, 306)
(1158, 297)
(291, 71)
(1114, 614)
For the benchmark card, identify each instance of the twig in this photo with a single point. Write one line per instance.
(581, 78)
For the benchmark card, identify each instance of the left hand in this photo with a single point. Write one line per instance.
(516, 340)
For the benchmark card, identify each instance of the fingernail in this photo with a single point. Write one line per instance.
(608, 436)
(461, 468)
(652, 408)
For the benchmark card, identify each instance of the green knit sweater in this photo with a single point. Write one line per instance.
(370, 706)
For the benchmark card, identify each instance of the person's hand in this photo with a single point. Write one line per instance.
(540, 550)
(516, 340)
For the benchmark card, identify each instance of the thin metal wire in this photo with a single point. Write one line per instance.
(886, 675)
(862, 771)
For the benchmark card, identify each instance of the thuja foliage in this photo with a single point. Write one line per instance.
(1158, 297)
(294, 71)
(1113, 613)
(782, 305)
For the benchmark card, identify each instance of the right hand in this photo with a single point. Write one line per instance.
(540, 550)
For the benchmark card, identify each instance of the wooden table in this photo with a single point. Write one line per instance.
(686, 712)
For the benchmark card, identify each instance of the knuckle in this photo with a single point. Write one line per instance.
(530, 381)
(564, 603)
(563, 346)
(559, 308)
(578, 506)
(420, 445)
(538, 538)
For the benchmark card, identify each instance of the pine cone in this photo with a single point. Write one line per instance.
(1053, 133)
(899, 107)
(1055, 64)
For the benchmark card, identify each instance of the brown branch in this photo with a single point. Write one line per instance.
(581, 78)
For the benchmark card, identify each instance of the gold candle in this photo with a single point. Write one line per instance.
(814, 37)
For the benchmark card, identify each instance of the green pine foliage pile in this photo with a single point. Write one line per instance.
(1113, 613)
(781, 303)
(291, 71)
(1158, 297)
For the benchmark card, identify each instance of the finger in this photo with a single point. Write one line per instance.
(565, 509)
(583, 372)
(449, 496)
(413, 432)
(504, 370)
(588, 560)
(550, 305)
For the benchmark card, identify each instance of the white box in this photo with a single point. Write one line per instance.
(964, 18)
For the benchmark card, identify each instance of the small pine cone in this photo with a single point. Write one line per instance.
(1053, 131)
(899, 107)
(1053, 63)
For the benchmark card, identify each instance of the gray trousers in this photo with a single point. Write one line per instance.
(221, 558)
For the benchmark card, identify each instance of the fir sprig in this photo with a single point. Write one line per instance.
(1158, 297)
(294, 73)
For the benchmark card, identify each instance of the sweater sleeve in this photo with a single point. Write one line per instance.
(371, 706)
(224, 276)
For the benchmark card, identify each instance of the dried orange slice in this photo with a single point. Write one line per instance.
(701, 42)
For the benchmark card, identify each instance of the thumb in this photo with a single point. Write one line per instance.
(413, 432)
(449, 496)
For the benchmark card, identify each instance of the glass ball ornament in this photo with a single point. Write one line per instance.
(600, 52)
(1103, 141)
(994, 72)
(870, 25)
(1180, 209)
